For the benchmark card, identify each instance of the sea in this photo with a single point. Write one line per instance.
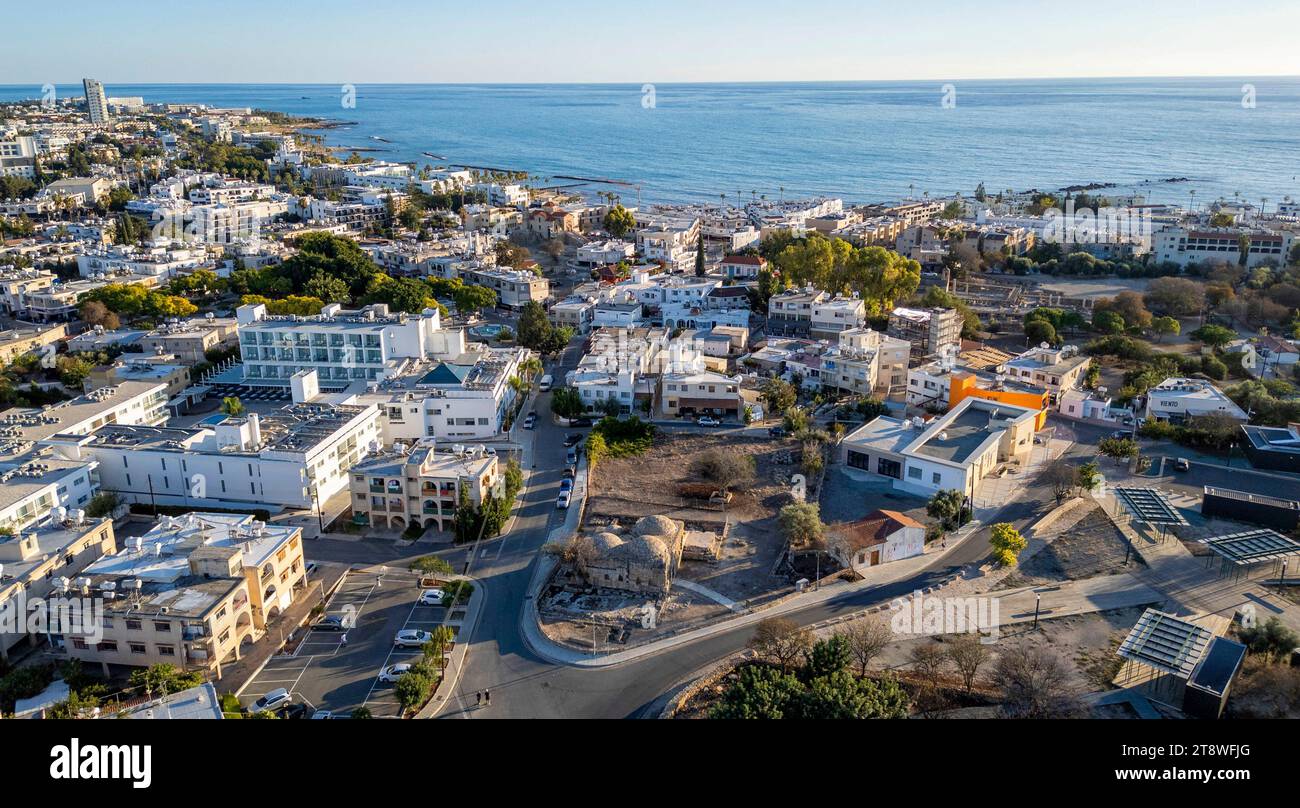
(1173, 140)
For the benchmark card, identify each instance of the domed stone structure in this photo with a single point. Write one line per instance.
(643, 561)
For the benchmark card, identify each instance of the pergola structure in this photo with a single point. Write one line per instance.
(1151, 507)
(1166, 643)
(1238, 553)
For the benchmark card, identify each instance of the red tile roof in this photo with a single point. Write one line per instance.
(874, 530)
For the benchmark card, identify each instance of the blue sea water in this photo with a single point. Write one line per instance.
(864, 141)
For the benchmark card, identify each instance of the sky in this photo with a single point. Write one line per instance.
(512, 41)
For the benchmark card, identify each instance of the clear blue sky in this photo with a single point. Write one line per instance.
(371, 41)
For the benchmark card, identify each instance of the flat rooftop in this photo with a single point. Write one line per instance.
(960, 438)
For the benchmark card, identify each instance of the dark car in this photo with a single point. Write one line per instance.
(335, 624)
(1183, 465)
(573, 440)
(570, 474)
(776, 432)
(296, 712)
(583, 423)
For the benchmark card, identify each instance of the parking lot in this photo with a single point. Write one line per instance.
(325, 674)
(245, 393)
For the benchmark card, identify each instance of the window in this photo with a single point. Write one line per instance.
(133, 625)
(166, 650)
(936, 478)
(914, 473)
(161, 627)
(138, 648)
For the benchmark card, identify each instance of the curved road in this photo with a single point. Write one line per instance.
(524, 685)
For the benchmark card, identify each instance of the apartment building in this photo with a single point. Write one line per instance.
(344, 347)
(38, 486)
(1053, 369)
(21, 430)
(194, 592)
(742, 267)
(421, 487)
(465, 397)
(38, 562)
(16, 285)
(294, 458)
(865, 363)
(190, 340)
(700, 393)
(1185, 246)
(96, 102)
(515, 288)
(18, 157)
(930, 331)
(24, 338)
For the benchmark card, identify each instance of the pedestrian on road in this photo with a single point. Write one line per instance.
(487, 697)
(478, 698)
(343, 640)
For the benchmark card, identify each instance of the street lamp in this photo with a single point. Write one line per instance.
(1038, 608)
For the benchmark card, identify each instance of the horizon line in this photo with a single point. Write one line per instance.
(663, 83)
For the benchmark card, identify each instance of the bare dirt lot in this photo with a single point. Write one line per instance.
(1090, 547)
(626, 490)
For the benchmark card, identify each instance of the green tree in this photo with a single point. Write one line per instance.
(1041, 332)
(1118, 449)
(232, 406)
(535, 330)
(1007, 544)
(700, 267)
(432, 565)
(619, 221)
(779, 395)
(1166, 326)
(801, 524)
(949, 507)
(1215, 336)
(412, 690)
(566, 402)
(759, 692)
(1108, 322)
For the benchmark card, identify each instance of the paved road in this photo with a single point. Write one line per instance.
(525, 686)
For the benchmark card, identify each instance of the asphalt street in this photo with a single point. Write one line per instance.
(523, 685)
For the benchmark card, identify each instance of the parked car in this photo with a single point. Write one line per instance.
(570, 474)
(583, 423)
(392, 673)
(295, 712)
(412, 639)
(1183, 465)
(531, 421)
(432, 597)
(562, 503)
(332, 623)
(707, 421)
(572, 457)
(776, 432)
(272, 702)
(573, 440)
(566, 485)
(321, 715)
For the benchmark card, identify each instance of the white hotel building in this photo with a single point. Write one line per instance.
(289, 459)
(343, 347)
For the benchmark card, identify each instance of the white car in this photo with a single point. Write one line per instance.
(562, 503)
(432, 597)
(706, 421)
(273, 701)
(392, 673)
(412, 639)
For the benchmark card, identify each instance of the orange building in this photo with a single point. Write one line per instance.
(966, 385)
